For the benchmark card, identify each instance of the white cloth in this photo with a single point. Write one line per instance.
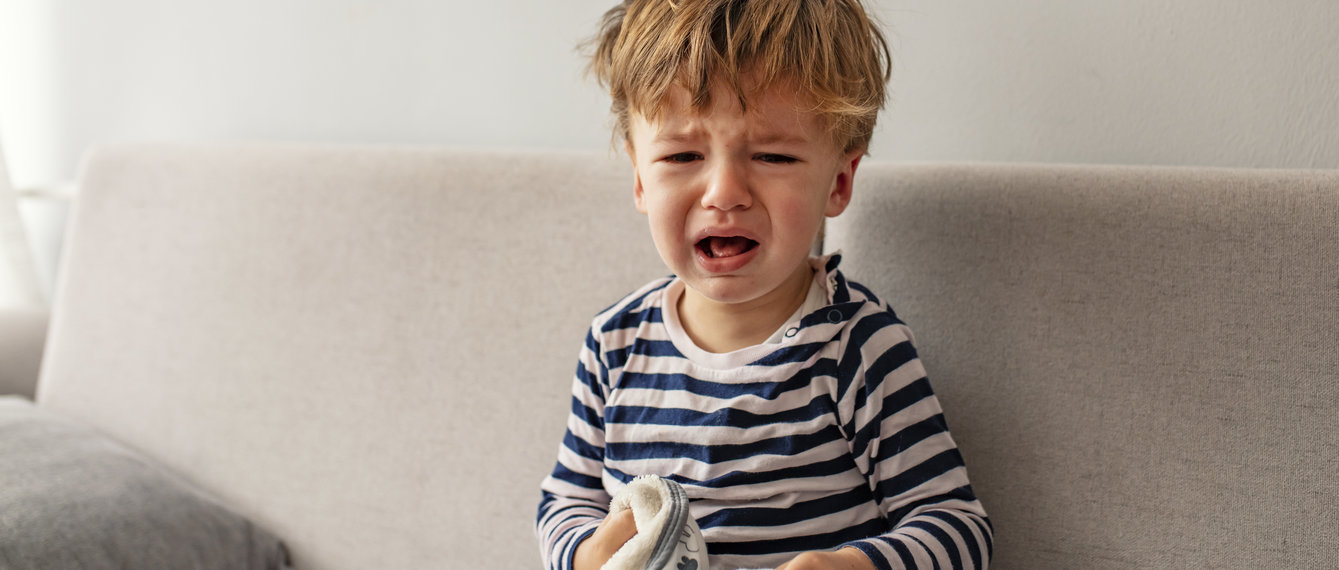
(667, 537)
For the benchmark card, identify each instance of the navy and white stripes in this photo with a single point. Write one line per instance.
(831, 438)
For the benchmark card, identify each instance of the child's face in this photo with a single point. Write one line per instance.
(735, 200)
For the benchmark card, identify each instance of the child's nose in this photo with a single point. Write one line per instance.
(727, 189)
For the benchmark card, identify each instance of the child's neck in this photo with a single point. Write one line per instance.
(725, 327)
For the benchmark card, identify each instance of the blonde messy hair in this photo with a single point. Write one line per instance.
(830, 49)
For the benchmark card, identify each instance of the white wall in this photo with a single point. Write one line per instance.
(1193, 82)
(502, 72)
(1196, 82)
(1207, 82)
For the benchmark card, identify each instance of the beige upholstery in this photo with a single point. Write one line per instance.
(22, 332)
(1140, 365)
(369, 350)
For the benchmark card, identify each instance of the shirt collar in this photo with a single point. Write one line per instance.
(838, 290)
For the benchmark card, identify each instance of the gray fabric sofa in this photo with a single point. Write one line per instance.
(365, 352)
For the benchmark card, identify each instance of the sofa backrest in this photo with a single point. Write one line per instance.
(368, 351)
(1140, 365)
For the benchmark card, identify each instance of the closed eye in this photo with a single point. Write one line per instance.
(776, 158)
(682, 157)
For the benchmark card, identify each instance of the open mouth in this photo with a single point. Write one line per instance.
(725, 246)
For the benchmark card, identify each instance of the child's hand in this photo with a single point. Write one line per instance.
(844, 559)
(615, 530)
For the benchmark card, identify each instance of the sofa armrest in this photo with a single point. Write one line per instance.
(22, 337)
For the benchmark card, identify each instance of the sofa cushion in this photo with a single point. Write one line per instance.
(368, 349)
(73, 498)
(1139, 364)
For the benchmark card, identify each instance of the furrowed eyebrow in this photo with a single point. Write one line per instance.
(780, 138)
(676, 137)
(766, 139)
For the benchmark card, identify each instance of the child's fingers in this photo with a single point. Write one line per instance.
(614, 531)
(619, 527)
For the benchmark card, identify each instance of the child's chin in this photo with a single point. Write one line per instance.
(725, 290)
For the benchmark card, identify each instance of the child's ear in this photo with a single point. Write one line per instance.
(638, 197)
(840, 196)
(637, 194)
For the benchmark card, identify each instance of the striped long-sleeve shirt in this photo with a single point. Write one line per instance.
(829, 438)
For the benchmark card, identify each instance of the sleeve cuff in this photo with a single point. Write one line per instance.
(570, 559)
(875, 555)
